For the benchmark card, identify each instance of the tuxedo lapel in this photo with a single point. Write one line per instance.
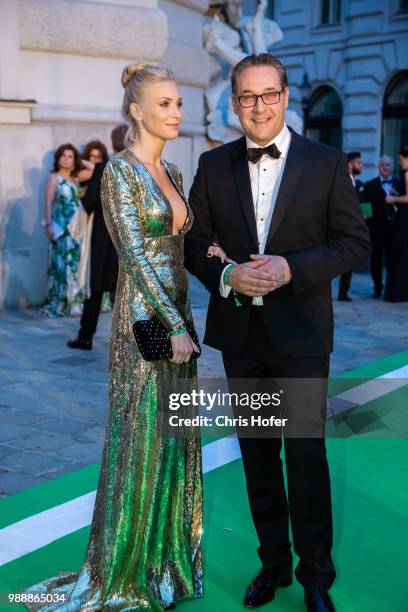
(291, 175)
(379, 189)
(240, 173)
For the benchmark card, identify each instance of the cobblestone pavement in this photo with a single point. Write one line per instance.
(53, 400)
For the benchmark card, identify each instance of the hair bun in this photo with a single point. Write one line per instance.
(129, 71)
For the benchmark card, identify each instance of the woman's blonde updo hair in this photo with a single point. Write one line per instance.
(134, 79)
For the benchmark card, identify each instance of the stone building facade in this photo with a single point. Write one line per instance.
(355, 55)
(60, 67)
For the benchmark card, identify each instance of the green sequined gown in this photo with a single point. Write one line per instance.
(144, 550)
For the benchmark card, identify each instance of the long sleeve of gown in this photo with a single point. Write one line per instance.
(121, 197)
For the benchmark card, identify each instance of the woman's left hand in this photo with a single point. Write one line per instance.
(217, 251)
(389, 199)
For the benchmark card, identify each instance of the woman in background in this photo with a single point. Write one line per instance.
(94, 153)
(61, 203)
(396, 286)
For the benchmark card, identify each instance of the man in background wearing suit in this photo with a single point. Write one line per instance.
(271, 313)
(104, 261)
(355, 166)
(379, 225)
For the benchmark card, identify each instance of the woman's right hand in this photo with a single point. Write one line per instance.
(182, 347)
(49, 233)
(216, 251)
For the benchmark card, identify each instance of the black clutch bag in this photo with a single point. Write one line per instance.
(153, 339)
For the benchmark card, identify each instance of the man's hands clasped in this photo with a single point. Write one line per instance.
(258, 277)
(275, 266)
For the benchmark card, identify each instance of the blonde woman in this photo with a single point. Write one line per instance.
(144, 551)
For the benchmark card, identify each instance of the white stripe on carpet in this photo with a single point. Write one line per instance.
(36, 531)
(375, 388)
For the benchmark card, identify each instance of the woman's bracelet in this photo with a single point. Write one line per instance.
(178, 331)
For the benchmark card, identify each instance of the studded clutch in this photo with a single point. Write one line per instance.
(153, 339)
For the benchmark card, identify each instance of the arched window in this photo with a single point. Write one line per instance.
(395, 115)
(323, 120)
(330, 11)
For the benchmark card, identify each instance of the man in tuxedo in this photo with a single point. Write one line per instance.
(355, 166)
(379, 225)
(271, 313)
(104, 260)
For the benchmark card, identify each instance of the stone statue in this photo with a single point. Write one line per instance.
(228, 42)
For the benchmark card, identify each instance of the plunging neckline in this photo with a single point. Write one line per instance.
(160, 190)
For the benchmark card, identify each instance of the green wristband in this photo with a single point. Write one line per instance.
(177, 332)
(227, 273)
(226, 282)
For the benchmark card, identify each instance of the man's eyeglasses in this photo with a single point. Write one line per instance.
(249, 100)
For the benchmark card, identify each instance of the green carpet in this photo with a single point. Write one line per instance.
(369, 489)
(369, 502)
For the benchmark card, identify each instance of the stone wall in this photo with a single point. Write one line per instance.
(60, 67)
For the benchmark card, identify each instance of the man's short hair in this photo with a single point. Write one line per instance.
(118, 137)
(353, 155)
(260, 59)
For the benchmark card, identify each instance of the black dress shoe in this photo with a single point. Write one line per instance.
(344, 298)
(317, 598)
(263, 587)
(85, 345)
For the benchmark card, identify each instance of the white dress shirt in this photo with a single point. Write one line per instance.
(265, 176)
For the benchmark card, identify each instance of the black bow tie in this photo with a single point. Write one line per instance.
(386, 182)
(254, 155)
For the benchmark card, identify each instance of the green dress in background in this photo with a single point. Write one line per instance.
(63, 291)
(144, 550)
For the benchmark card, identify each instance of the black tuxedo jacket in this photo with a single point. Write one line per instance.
(359, 187)
(317, 225)
(374, 193)
(104, 260)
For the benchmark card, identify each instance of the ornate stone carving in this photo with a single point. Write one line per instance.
(229, 41)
